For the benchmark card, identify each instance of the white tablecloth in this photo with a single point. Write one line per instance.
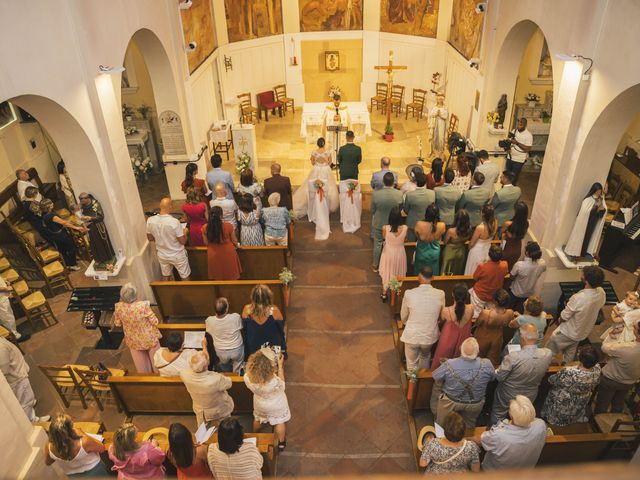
(317, 116)
(219, 131)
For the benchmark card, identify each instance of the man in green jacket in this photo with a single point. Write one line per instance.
(415, 203)
(473, 199)
(349, 157)
(382, 202)
(505, 198)
(446, 198)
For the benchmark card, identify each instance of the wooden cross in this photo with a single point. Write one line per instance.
(390, 68)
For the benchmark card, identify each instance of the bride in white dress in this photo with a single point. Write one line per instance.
(321, 159)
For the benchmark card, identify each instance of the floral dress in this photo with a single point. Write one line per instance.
(571, 390)
(250, 229)
(444, 459)
(139, 324)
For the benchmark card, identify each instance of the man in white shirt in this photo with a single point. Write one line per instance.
(420, 312)
(579, 315)
(16, 371)
(521, 142)
(228, 205)
(489, 169)
(170, 238)
(23, 183)
(226, 330)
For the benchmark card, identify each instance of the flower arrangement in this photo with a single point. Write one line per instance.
(532, 97)
(351, 187)
(493, 117)
(292, 216)
(130, 130)
(388, 129)
(435, 80)
(242, 162)
(127, 111)
(144, 110)
(140, 167)
(319, 186)
(395, 284)
(286, 276)
(335, 93)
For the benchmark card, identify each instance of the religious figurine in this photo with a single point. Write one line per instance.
(587, 230)
(93, 219)
(501, 109)
(438, 117)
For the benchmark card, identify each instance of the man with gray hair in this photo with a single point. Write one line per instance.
(520, 372)
(376, 178)
(208, 390)
(464, 382)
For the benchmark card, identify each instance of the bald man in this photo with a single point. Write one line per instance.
(520, 372)
(279, 184)
(170, 238)
(228, 206)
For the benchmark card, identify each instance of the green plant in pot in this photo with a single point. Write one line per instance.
(546, 117)
(388, 133)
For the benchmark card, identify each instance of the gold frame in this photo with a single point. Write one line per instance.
(328, 56)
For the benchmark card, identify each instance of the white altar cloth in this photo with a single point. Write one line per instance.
(316, 117)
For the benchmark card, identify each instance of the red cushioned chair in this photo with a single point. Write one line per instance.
(267, 101)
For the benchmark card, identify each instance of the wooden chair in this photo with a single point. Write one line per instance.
(417, 105)
(281, 96)
(65, 382)
(247, 111)
(53, 273)
(96, 384)
(380, 99)
(10, 275)
(4, 264)
(267, 101)
(35, 305)
(397, 96)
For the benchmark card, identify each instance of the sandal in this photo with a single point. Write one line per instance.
(282, 445)
(383, 297)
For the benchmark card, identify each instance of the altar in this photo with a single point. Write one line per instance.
(316, 117)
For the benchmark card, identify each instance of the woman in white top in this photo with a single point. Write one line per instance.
(226, 331)
(171, 359)
(265, 378)
(481, 240)
(525, 275)
(74, 451)
(321, 160)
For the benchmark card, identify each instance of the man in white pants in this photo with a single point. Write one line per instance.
(170, 238)
(7, 319)
(16, 371)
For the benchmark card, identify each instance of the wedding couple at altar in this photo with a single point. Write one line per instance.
(319, 194)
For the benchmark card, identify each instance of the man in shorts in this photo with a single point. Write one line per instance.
(170, 238)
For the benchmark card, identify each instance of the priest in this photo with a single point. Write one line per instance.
(587, 230)
(93, 219)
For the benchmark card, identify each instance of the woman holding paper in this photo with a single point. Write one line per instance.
(189, 460)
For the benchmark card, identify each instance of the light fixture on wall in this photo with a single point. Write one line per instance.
(481, 7)
(474, 63)
(186, 5)
(228, 64)
(565, 57)
(110, 70)
(191, 47)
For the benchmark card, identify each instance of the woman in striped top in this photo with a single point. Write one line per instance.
(234, 458)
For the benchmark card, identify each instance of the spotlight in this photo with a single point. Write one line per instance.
(191, 47)
(474, 63)
(110, 70)
(186, 5)
(481, 7)
(565, 57)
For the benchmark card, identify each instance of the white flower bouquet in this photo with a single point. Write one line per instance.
(335, 93)
(242, 162)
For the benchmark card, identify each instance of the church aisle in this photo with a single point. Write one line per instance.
(348, 410)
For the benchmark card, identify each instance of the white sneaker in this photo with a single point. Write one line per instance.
(44, 418)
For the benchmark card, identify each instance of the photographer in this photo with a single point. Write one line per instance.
(521, 141)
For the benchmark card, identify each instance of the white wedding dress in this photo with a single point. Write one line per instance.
(319, 209)
(321, 170)
(350, 206)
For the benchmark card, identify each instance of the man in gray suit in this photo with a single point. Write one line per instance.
(381, 204)
(446, 197)
(415, 203)
(473, 199)
(505, 198)
(520, 373)
(489, 169)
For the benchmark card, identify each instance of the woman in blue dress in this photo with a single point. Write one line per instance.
(429, 232)
(263, 322)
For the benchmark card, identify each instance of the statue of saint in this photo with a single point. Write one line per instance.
(585, 235)
(438, 117)
(93, 219)
(502, 108)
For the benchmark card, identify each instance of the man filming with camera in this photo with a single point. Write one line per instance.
(521, 141)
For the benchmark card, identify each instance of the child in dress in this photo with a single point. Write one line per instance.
(624, 317)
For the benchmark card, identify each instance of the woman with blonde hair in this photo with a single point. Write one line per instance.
(265, 378)
(263, 322)
(75, 452)
(133, 460)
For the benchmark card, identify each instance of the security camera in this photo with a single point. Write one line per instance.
(191, 47)
(474, 63)
(185, 5)
(481, 7)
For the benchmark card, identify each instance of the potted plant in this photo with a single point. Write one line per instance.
(388, 133)
(546, 118)
(127, 112)
(532, 99)
(144, 110)
(286, 276)
(412, 376)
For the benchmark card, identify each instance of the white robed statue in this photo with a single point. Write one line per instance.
(586, 233)
(438, 117)
(350, 205)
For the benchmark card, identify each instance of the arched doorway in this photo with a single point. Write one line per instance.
(149, 96)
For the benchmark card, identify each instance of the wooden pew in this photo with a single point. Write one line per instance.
(196, 299)
(153, 395)
(257, 262)
(410, 249)
(267, 444)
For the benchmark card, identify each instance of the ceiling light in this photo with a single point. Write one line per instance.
(186, 5)
(110, 70)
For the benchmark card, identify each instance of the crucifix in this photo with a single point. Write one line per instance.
(390, 70)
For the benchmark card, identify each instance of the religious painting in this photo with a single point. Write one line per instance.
(332, 61)
(545, 69)
(466, 28)
(7, 114)
(197, 26)
(410, 17)
(247, 19)
(330, 15)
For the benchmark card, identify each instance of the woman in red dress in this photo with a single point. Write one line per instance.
(435, 178)
(190, 180)
(196, 212)
(456, 328)
(221, 241)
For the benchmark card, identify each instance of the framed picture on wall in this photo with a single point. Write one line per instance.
(331, 61)
(7, 114)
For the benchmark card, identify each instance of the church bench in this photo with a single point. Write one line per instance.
(257, 262)
(410, 250)
(155, 395)
(267, 444)
(196, 299)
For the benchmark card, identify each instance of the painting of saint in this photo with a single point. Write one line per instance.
(410, 17)
(466, 28)
(197, 25)
(247, 19)
(329, 15)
